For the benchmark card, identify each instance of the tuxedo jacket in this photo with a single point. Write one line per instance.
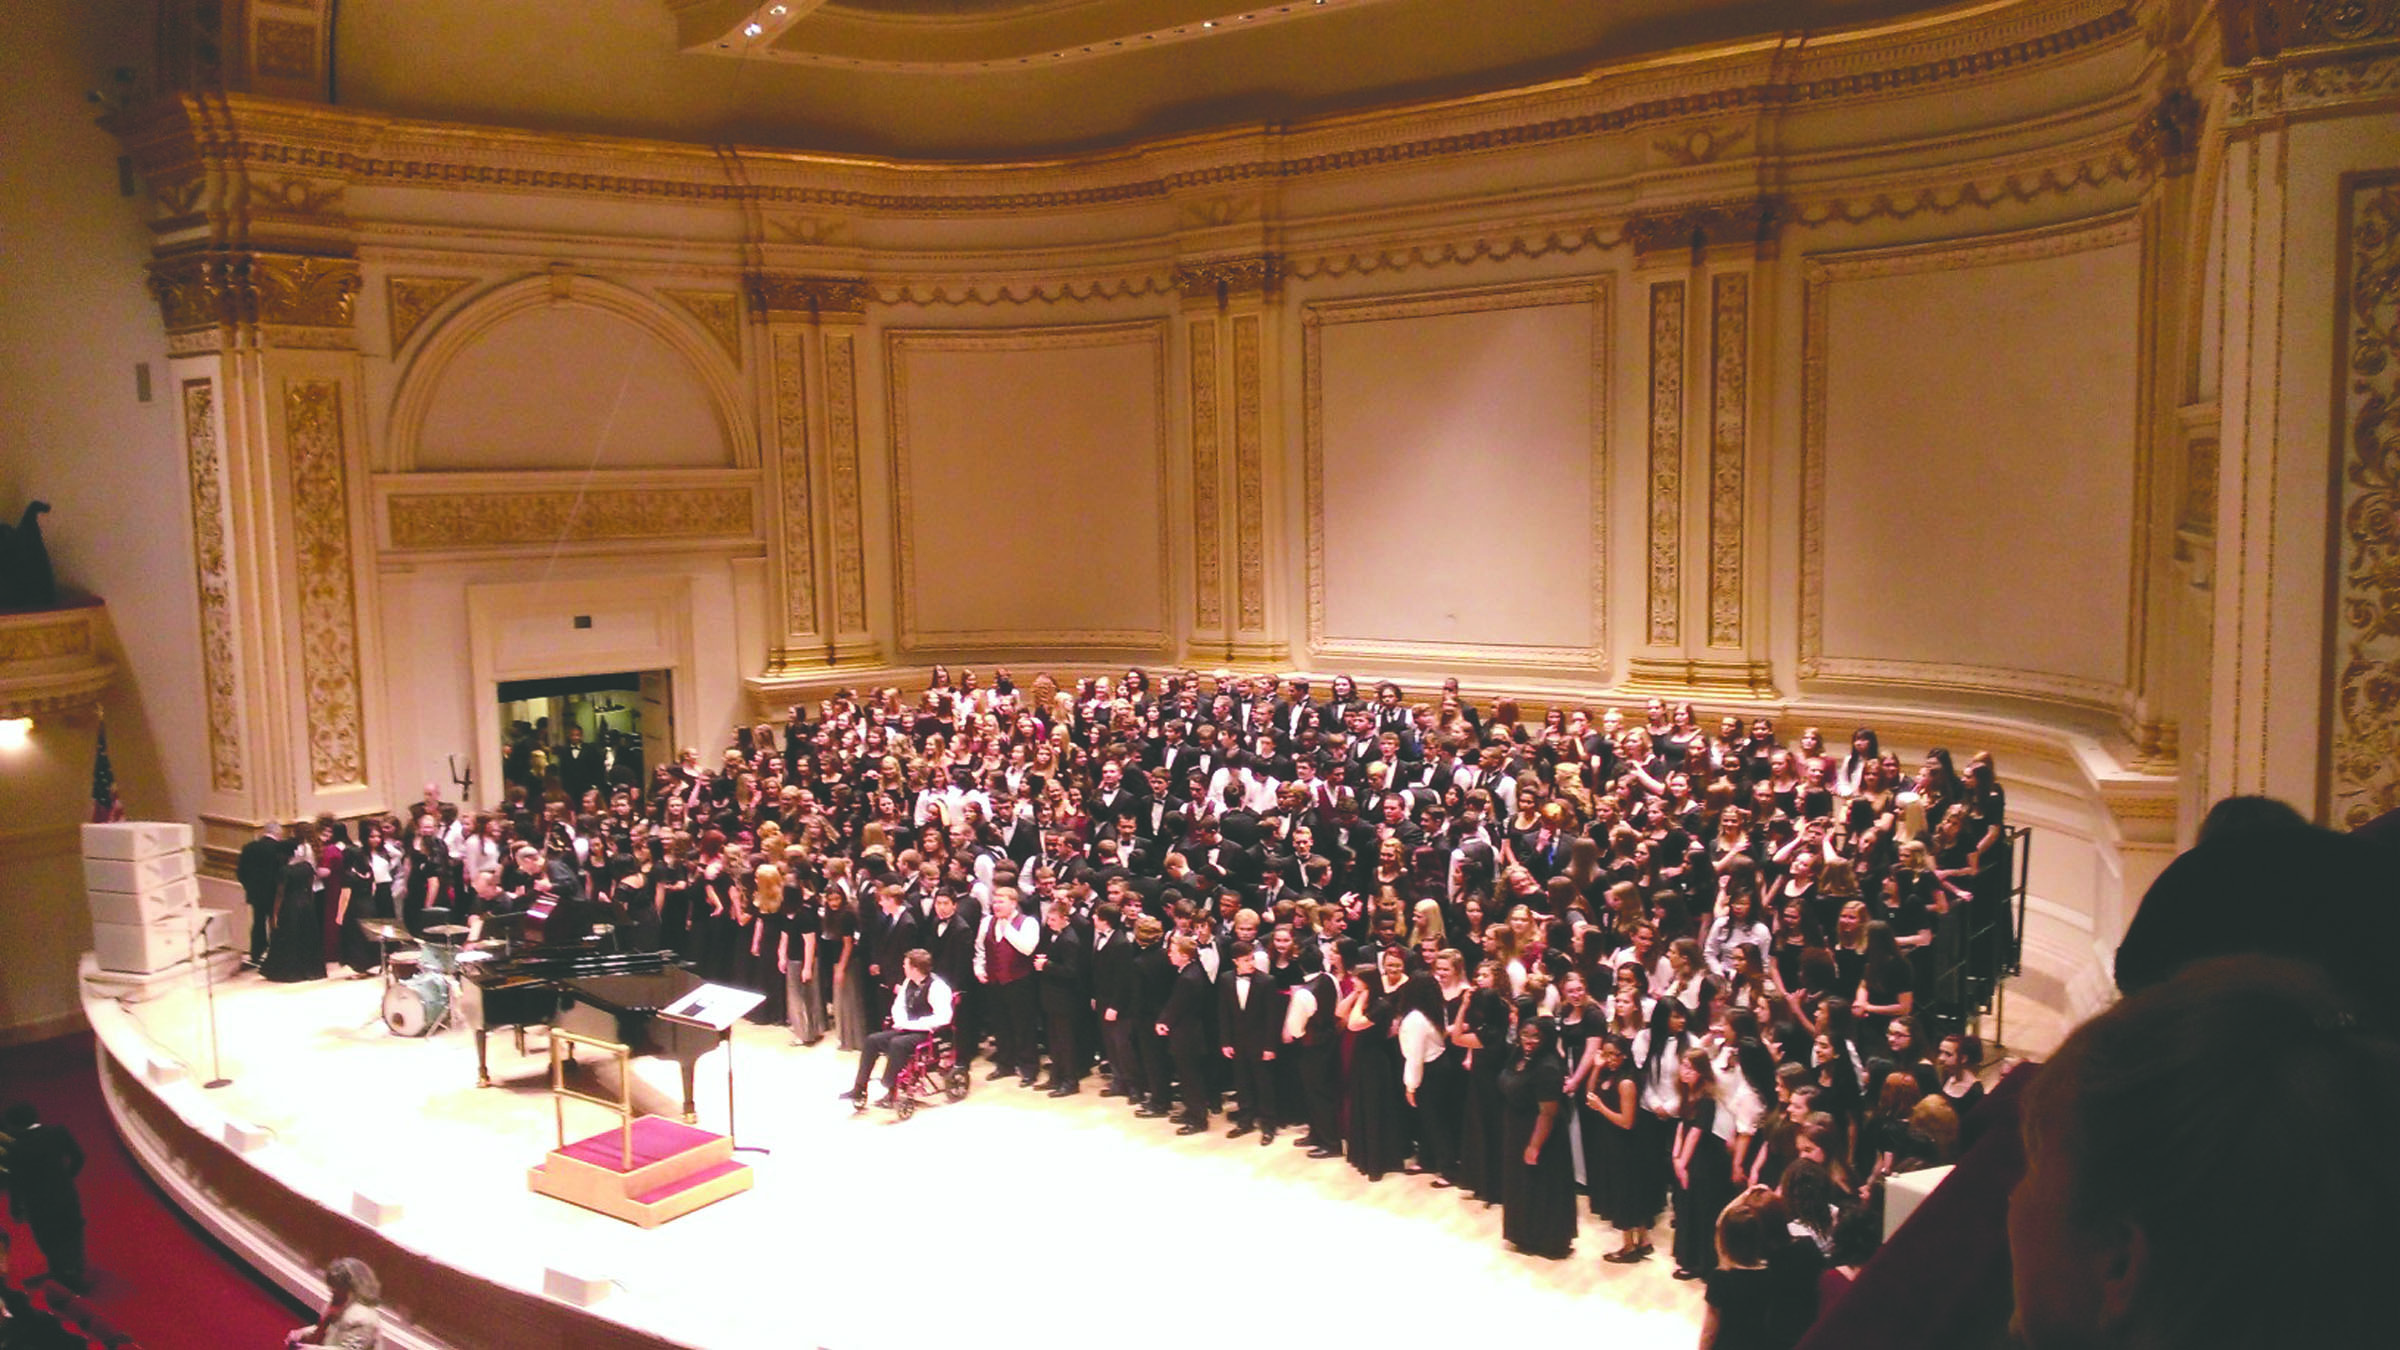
(1186, 1008)
(890, 939)
(1154, 975)
(1116, 983)
(1248, 1029)
(1062, 974)
(953, 949)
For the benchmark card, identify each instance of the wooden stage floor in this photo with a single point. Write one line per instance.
(1009, 1218)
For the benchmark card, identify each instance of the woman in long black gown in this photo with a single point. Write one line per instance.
(1377, 1137)
(1537, 1189)
(1483, 1029)
(1611, 1122)
(1703, 1169)
(296, 951)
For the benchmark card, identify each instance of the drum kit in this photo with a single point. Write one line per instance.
(420, 988)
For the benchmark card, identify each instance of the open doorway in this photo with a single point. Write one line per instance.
(579, 733)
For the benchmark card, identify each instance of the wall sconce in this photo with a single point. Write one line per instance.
(15, 732)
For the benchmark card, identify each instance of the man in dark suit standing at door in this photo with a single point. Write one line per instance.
(260, 869)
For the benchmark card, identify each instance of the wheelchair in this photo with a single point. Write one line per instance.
(932, 1070)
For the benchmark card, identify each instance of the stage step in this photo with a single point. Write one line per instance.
(676, 1169)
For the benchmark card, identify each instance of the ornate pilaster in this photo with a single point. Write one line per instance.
(1702, 587)
(1230, 304)
(820, 565)
(2304, 666)
(2363, 733)
(256, 284)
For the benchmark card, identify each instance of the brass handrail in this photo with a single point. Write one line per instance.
(560, 1041)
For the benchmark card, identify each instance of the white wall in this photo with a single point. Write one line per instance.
(74, 322)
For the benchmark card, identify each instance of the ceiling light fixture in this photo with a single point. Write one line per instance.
(14, 732)
(779, 11)
(753, 29)
(1208, 23)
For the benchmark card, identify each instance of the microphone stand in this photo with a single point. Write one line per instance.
(208, 976)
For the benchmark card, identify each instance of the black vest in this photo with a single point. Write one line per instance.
(920, 999)
(1321, 1024)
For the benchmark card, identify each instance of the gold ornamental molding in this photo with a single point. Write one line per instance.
(1728, 452)
(211, 531)
(233, 132)
(2362, 658)
(1665, 571)
(50, 662)
(795, 498)
(457, 512)
(2300, 86)
(1821, 272)
(1208, 526)
(1596, 293)
(219, 289)
(409, 301)
(899, 344)
(330, 682)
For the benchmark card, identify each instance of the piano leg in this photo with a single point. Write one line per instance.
(691, 1108)
(483, 1068)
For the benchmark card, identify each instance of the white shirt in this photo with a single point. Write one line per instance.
(1421, 1042)
(939, 992)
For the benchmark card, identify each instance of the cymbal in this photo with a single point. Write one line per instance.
(447, 930)
(384, 930)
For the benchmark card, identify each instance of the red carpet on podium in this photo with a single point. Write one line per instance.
(157, 1278)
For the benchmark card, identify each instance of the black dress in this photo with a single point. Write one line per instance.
(1377, 1137)
(296, 951)
(1537, 1201)
(1612, 1173)
(1768, 1307)
(1697, 1205)
(1480, 1135)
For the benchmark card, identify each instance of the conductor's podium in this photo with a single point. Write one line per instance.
(675, 1169)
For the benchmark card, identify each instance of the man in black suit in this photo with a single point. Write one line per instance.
(1116, 996)
(892, 932)
(1182, 1024)
(1060, 965)
(1154, 971)
(950, 939)
(581, 766)
(260, 870)
(1249, 1028)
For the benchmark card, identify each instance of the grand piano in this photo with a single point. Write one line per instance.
(614, 997)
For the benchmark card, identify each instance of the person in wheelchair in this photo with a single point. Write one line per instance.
(920, 1008)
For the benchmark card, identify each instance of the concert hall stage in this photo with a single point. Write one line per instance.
(1008, 1218)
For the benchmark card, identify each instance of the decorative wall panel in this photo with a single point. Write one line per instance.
(409, 301)
(1666, 463)
(841, 445)
(1249, 476)
(211, 529)
(2363, 719)
(1029, 470)
(1454, 425)
(1946, 491)
(1208, 584)
(792, 471)
(1728, 452)
(312, 418)
(518, 512)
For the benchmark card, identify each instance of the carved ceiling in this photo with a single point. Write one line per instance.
(980, 78)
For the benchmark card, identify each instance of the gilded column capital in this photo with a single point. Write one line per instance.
(2166, 140)
(1223, 280)
(788, 295)
(2263, 29)
(1748, 225)
(305, 300)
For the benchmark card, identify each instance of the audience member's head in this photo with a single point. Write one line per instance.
(2206, 1165)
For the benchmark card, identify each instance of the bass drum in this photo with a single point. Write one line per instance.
(412, 1006)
